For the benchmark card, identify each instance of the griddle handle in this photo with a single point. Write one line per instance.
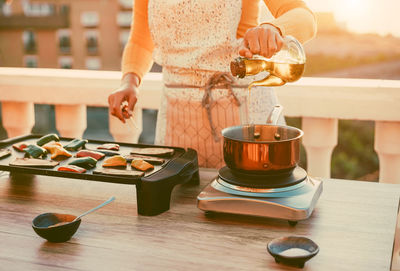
(154, 191)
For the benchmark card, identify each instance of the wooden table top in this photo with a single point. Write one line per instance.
(353, 223)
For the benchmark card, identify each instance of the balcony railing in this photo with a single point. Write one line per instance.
(320, 102)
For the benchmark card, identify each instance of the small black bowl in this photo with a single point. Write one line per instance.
(292, 250)
(43, 226)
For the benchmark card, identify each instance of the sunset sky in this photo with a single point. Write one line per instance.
(376, 16)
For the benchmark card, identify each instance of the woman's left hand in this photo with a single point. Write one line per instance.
(264, 40)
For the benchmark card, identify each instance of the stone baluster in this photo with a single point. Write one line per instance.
(18, 117)
(128, 132)
(71, 120)
(320, 138)
(387, 145)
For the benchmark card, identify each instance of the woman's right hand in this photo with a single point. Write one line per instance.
(127, 92)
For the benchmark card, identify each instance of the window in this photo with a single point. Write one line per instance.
(124, 18)
(90, 18)
(64, 40)
(93, 63)
(30, 61)
(123, 38)
(37, 9)
(65, 62)
(92, 42)
(126, 4)
(29, 40)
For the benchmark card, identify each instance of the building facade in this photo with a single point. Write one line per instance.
(84, 34)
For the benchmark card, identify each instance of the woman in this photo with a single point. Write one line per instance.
(195, 41)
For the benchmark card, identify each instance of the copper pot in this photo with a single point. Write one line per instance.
(262, 148)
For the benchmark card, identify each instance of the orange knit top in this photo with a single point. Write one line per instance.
(292, 17)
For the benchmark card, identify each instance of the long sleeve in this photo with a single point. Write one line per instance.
(293, 18)
(137, 55)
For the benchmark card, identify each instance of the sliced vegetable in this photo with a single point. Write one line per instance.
(85, 162)
(149, 159)
(4, 153)
(72, 168)
(35, 151)
(47, 138)
(153, 151)
(141, 165)
(107, 152)
(118, 172)
(20, 146)
(109, 146)
(56, 150)
(85, 153)
(32, 162)
(75, 144)
(115, 161)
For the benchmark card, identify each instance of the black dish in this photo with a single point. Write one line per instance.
(277, 246)
(62, 233)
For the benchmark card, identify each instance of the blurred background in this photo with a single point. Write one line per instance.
(356, 39)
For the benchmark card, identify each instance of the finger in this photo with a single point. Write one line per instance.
(272, 47)
(263, 39)
(118, 112)
(254, 44)
(246, 53)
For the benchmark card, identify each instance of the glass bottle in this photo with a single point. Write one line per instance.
(287, 65)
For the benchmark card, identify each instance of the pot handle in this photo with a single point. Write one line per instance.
(275, 114)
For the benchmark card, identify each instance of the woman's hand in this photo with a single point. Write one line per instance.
(264, 40)
(128, 91)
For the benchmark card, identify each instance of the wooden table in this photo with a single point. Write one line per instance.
(353, 223)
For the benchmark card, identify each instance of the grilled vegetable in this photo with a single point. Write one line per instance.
(75, 144)
(20, 146)
(56, 150)
(118, 172)
(109, 146)
(4, 153)
(35, 151)
(47, 138)
(115, 161)
(153, 151)
(141, 165)
(85, 153)
(85, 162)
(72, 168)
(149, 159)
(107, 152)
(32, 162)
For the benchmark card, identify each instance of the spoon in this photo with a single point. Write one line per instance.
(95, 208)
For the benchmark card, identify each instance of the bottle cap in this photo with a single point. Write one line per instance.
(238, 67)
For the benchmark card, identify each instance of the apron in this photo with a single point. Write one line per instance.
(195, 40)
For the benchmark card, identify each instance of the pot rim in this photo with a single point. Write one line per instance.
(301, 133)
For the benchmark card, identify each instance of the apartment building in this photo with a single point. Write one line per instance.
(84, 34)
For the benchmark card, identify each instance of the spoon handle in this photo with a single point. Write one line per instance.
(95, 208)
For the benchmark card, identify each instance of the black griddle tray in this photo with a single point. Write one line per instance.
(153, 189)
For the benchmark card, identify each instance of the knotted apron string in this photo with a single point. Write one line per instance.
(217, 80)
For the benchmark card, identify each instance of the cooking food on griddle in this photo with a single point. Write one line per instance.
(4, 153)
(35, 151)
(72, 168)
(56, 150)
(75, 144)
(86, 153)
(141, 165)
(20, 146)
(85, 162)
(115, 161)
(33, 162)
(149, 159)
(109, 146)
(47, 138)
(118, 172)
(153, 151)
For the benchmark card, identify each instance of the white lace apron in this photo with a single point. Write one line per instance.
(195, 40)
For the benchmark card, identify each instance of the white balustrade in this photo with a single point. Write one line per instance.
(321, 102)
